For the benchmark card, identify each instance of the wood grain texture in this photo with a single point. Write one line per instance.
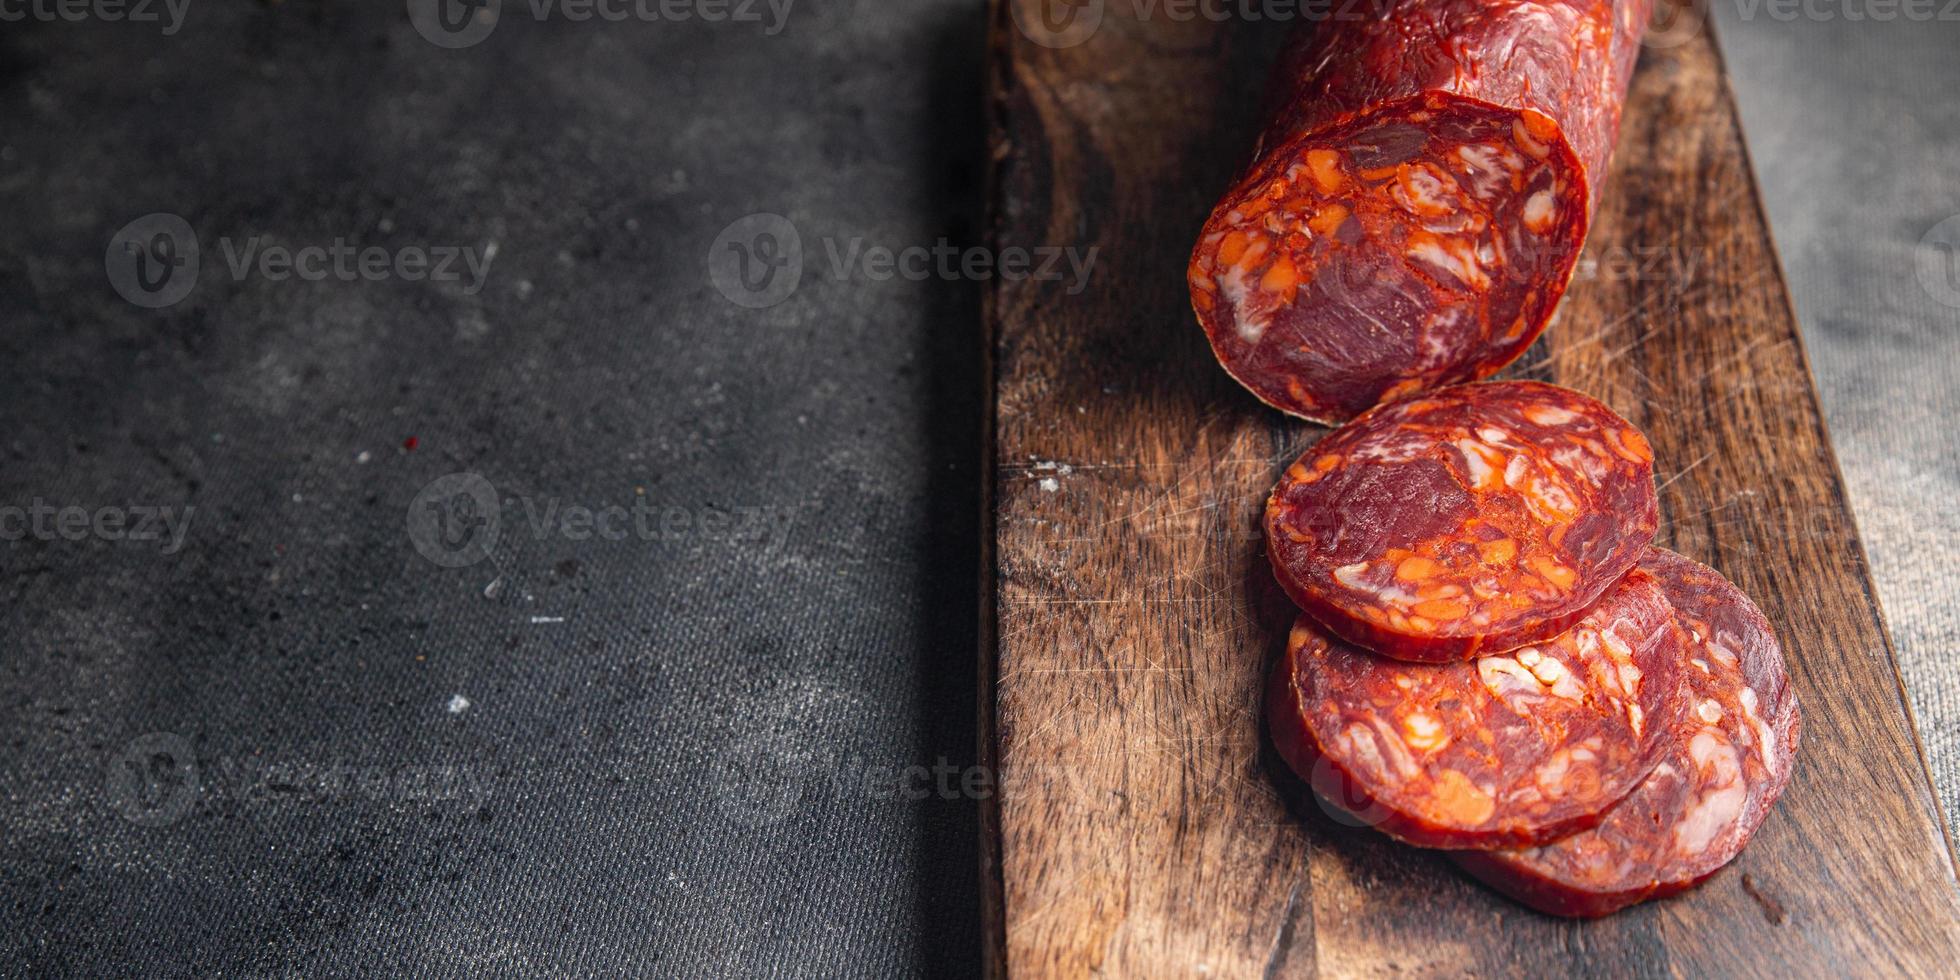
(1143, 826)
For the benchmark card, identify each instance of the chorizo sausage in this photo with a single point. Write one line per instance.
(1510, 750)
(1470, 520)
(1730, 755)
(1418, 200)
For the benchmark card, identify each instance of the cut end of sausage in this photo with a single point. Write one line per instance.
(1424, 243)
(1467, 521)
(1513, 750)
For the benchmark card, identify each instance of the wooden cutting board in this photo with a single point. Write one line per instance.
(1144, 826)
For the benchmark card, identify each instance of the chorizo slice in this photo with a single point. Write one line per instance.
(1730, 755)
(1510, 750)
(1470, 520)
(1418, 199)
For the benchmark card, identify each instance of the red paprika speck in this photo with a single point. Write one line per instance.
(410, 443)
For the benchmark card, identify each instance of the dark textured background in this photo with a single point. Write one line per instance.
(589, 812)
(682, 755)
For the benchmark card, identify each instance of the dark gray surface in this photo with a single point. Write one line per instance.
(1855, 132)
(686, 775)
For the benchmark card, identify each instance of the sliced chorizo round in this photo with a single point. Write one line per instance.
(1510, 750)
(1729, 756)
(1469, 520)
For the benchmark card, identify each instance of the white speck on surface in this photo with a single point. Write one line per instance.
(472, 325)
(1048, 485)
(458, 704)
(364, 457)
(495, 587)
(536, 620)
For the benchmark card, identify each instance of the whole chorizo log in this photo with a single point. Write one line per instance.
(1418, 200)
